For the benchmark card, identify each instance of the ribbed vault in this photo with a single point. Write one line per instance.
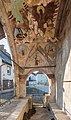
(30, 26)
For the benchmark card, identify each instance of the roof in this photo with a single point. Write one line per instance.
(5, 58)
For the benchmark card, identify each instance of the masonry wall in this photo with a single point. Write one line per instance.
(63, 69)
(58, 76)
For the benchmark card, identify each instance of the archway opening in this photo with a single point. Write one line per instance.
(37, 85)
(7, 76)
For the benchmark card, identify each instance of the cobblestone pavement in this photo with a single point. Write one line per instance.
(8, 108)
(41, 114)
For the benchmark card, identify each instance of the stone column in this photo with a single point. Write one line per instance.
(17, 83)
(23, 87)
(53, 88)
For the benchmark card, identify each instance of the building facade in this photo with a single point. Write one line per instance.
(6, 74)
(41, 78)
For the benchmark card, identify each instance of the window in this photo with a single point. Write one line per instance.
(8, 70)
(7, 84)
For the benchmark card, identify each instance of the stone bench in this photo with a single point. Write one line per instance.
(20, 109)
(58, 113)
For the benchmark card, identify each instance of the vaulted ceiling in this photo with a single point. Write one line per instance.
(33, 24)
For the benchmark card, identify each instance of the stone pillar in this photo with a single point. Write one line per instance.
(23, 87)
(17, 83)
(53, 89)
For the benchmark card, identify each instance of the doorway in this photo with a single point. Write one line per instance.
(37, 86)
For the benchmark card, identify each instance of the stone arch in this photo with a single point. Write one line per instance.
(7, 29)
(45, 96)
(51, 81)
(37, 69)
(43, 71)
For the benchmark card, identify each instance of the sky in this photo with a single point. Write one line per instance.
(4, 41)
(35, 72)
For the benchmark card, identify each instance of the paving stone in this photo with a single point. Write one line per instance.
(8, 108)
(41, 114)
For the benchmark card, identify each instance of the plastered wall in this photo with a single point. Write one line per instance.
(63, 69)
